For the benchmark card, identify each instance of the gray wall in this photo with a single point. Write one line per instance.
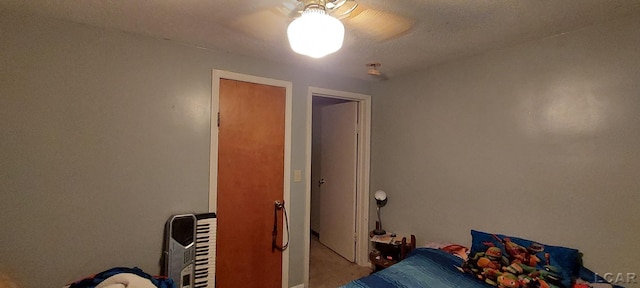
(541, 140)
(104, 135)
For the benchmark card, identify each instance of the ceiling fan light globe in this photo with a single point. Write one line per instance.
(315, 34)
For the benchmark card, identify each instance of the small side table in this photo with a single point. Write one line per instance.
(389, 250)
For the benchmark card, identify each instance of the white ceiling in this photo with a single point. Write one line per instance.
(443, 29)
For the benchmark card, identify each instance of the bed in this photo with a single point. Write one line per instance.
(423, 267)
(494, 260)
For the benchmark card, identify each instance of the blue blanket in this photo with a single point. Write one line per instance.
(423, 267)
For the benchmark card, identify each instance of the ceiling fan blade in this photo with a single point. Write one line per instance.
(337, 8)
(379, 25)
(342, 8)
(268, 25)
(291, 8)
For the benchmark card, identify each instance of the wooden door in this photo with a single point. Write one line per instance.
(251, 144)
(338, 149)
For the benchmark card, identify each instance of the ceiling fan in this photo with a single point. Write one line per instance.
(317, 33)
(336, 8)
(378, 25)
(360, 21)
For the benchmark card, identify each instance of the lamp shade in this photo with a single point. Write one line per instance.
(381, 200)
(315, 34)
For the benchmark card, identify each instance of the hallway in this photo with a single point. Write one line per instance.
(329, 270)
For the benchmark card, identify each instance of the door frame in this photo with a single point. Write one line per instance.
(363, 171)
(213, 153)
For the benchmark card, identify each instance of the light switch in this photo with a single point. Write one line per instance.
(297, 175)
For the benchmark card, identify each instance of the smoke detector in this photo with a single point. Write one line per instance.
(374, 72)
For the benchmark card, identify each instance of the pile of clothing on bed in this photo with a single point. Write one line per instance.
(122, 277)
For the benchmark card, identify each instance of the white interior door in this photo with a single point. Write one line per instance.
(338, 148)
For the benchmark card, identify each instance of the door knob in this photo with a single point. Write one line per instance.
(321, 182)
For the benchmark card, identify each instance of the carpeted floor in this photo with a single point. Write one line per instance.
(328, 269)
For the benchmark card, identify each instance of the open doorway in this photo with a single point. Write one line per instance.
(334, 157)
(338, 166)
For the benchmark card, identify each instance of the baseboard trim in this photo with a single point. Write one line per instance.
(298, 286)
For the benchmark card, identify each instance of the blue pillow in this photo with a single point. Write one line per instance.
(561, 260)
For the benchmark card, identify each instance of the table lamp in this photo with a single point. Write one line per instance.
(381, 200)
